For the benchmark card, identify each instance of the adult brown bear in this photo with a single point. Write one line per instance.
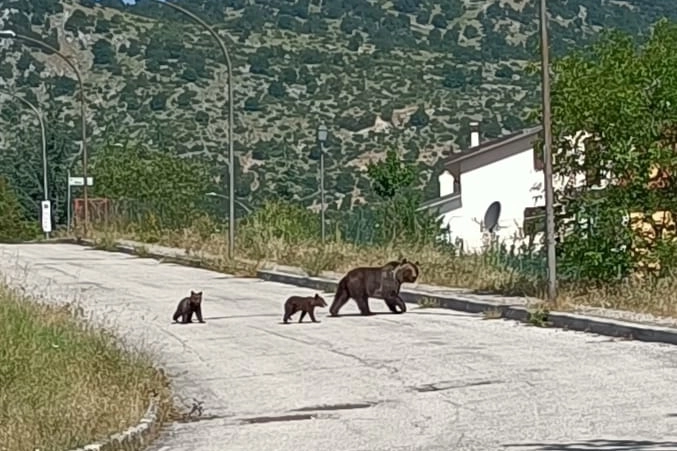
(375, 281)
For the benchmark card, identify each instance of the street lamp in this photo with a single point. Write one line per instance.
(37, 112)
(231, 157)
(322, 138)
(83, 125)
(547, 157)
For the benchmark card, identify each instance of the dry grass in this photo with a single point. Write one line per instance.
(492, 313)
(257, 244)
(66, 384)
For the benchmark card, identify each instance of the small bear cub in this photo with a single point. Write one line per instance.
(305, 304)
(189, 305)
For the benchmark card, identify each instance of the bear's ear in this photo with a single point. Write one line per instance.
(317, 296)
(404, 260)
(192, 293)
(417, 263)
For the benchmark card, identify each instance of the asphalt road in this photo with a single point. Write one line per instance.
(428, 380)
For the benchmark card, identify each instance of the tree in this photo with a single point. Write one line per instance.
(102, 26)
(285, 22)
(277, 89)
(252, 104)
(78, 21)
(454, 78)
(423, 17)
(631, 120)
(189, 74)
(439, 21)
(288, 75)
(435, 38)
(390, 176)
(420, 118)
(258, 64)
(103, 53)
(355, 42)
(406, 6)
(169, 188)
(397, 218)
(13, 226)
(158, 102)
(202, 117)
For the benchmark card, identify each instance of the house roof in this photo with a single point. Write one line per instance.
(523, 138)
(443, 204)
(478, 156)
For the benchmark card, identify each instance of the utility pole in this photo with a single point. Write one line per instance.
(547, 157)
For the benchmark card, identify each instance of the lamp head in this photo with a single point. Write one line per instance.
(322, 133)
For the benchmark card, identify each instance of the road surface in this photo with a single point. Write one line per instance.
(428, 380)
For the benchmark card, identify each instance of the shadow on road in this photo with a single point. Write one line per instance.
(359, 315)
(425, 311)
(266, 315)
(598, 445)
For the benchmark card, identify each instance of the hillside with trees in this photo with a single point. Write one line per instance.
(403, 74)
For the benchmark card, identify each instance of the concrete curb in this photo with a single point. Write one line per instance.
(134, 438)
(570, 321)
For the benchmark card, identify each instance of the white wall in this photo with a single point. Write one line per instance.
(513, 182)
(446, 181)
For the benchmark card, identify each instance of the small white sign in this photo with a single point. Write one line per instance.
(80, 181)
(46, 216)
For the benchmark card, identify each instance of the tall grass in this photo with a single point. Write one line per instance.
(65, 384)
(290, 235)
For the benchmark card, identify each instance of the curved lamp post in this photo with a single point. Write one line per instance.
(12, 35)
(239, 202)
(231, 162)
(321, 139)
(37, 112)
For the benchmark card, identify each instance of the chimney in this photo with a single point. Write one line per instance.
(474, 134)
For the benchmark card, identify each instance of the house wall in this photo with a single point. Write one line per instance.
(513, 182)
(446, 181)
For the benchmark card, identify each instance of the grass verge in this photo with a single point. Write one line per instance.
(65, 383)
(258, 243)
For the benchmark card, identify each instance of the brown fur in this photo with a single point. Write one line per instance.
(374, 281)
(305, 304)
(189, 305)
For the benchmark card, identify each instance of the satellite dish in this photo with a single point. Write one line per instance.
(491, 216)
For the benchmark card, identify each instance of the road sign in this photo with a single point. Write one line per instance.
(80, 181)
(46, 216)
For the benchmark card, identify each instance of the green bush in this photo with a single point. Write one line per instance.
(13, 226)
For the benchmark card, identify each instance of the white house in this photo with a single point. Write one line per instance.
(506, 170)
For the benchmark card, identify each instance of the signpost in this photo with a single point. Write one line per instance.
(46, 217)
(80, 181)
(75, 181)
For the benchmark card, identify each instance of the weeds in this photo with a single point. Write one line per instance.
(426, 302)
(492, 313)
(268, 237)
(141, 251)
(66, 384)
(538, 316)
